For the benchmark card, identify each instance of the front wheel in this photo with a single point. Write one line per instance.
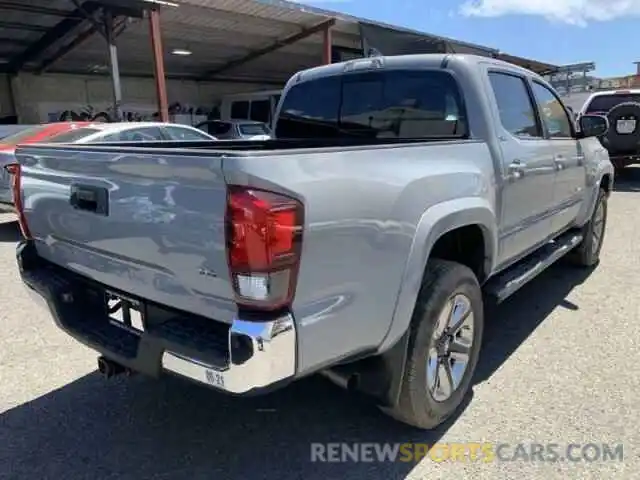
(444, 345)
(587, 254)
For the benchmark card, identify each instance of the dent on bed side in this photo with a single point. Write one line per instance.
(434, 223)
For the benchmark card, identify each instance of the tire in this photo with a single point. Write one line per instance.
(444, 282)
(587, 254)
(623, 142)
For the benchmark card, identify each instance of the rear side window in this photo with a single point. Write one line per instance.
(516, 109)
(391, 104)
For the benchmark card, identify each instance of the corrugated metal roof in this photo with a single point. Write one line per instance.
(216, 31)
(536, 66)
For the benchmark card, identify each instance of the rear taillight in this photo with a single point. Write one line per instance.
(15, 171)
(264, 241)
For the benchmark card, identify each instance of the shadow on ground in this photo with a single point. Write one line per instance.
(510, 324)
(627, 180)
(9, 232)
(139, 428)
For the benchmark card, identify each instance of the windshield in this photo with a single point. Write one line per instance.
(73, 135)
(253, 129)
(604, 103)
(397, 104)
(22, 135)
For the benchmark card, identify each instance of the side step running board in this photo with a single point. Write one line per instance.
(511, 280)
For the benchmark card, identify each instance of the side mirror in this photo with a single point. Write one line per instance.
(593, 125)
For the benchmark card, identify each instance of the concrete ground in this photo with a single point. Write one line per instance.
(560, 365)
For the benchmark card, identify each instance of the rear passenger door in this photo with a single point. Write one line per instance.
(570, 178)
(527, 168)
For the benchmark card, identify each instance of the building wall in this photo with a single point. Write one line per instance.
(44, 98)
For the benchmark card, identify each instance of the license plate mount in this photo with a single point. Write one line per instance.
(125, 312)
(626, 127)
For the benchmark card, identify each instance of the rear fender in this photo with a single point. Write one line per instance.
(435, 222)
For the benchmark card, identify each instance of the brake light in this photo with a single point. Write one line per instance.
(15, 170)
(264, 241)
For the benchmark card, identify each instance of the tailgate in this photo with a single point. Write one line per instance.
(148, 222)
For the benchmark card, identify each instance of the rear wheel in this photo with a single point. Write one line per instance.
(587, 254)
(444, 345)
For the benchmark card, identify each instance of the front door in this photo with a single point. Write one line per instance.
(528, 170)
(571, 180)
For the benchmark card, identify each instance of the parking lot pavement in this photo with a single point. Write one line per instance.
(560, 365)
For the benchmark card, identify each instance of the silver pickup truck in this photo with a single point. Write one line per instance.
(399, 195)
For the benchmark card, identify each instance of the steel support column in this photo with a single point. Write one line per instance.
(113, 65)
(158, 62)
(327, 45)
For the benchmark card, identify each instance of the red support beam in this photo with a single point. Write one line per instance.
(326, 46)
(158, 62)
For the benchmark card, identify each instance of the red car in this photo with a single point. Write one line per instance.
(8, 145)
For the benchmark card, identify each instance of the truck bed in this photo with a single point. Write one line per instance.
(162, 236)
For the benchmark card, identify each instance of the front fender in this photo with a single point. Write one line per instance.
(435, 222)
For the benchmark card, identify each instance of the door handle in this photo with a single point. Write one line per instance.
(516, 169)
(559, 161)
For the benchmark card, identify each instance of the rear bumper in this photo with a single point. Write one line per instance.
(246, 357)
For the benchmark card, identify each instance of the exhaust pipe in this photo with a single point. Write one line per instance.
(109, 368)
(345, 380)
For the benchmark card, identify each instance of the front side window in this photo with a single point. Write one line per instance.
(395, 104)
(516, 110)
(552, 112)
(177, 133)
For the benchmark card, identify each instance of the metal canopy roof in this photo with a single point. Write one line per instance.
(541, 68)
(229, 39)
